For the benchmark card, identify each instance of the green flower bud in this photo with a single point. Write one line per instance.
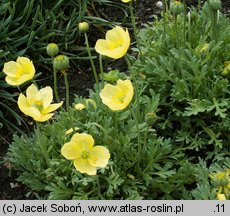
(83, 27)
(215, 4)
(220, 179)
(176, 8)
(150, 118)
(91, 102)
(52, 49)
(61, 62)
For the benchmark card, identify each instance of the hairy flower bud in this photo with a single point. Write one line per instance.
(61, 62)
(215, 4)
(176, 8)
(52, 49)
(150, 118)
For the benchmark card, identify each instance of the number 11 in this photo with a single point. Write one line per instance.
(220, 208)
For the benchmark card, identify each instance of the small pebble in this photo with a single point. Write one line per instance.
(14, 185)
(159, 4)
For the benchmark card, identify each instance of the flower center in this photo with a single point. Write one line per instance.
(39, 105)
(85, 154)
(121, 99)
(121, 96)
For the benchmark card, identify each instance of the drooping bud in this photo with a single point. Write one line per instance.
(176, 8)
(150, 118)
(52, 49)
(61, 62)
(83, 27)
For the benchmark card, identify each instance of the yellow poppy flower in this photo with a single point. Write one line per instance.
(117, 97)
(116, 43)
(19, 72)
(126, 1)
(37, 103)
(87, 157)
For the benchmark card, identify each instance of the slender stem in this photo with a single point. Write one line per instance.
(98, 184)
(101, 69)
(164, 19)
(91, 60)
(189, 26)
(134, 27)
(70, 113)
(178, 47)
(55, 85)
(199, 5)
(184, 29)
(42, 147)
(176, 30)
(66, 90)
(139, 147)
(135, 86)
(115, 120)
(146, 135)
(215, 25)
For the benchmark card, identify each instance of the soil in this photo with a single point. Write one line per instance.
(81, 80)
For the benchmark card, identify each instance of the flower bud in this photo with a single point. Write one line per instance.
(176, 8)
(226, 71)
(150, 118)
(215, 4)
(52, 49)
(61, 62)
(83, 27)
(91, 102)
(220, 179)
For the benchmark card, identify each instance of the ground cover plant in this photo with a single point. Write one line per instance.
(157, 131)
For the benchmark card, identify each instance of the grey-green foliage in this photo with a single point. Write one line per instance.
(195, 103)
(154, 177)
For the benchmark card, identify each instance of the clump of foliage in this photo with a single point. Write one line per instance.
(171, 143)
